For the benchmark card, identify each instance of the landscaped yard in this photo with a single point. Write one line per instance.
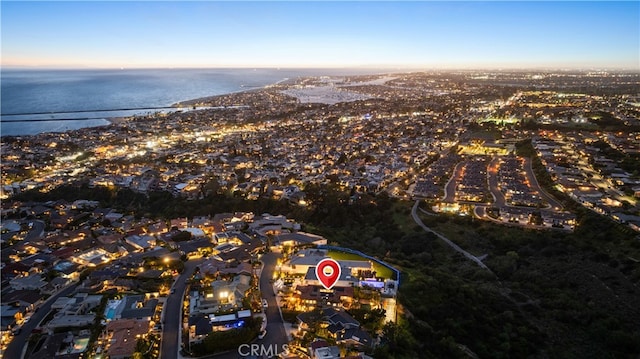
(381, 270)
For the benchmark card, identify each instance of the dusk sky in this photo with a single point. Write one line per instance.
(322, 34)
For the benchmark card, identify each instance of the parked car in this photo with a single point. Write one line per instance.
(265, 305)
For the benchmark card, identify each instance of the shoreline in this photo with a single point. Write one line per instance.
(182, 105)
(200, 103)
(205, 99)
(117, 120)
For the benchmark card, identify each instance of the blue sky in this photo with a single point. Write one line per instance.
(321, 34)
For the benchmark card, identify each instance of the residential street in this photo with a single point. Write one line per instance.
(16, 346)
(276, 334)
(492, 181)
(528, 167)
(450, 187)
(172, 313)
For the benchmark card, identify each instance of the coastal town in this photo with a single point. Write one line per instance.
(84, 280)
(402, 134)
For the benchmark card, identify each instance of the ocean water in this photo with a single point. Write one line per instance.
(44, 100)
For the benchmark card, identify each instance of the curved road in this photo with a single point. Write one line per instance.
(534, 181)
(17, 344)
(498, 196)
(416, 218)
(276, 334)
(492, 180)
(172, 322)
(450, 187)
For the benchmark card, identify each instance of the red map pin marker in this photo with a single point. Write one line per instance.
(328, 272)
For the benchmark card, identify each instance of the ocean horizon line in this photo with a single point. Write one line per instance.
(324, 68)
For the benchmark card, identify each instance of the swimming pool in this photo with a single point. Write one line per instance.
(79, 346)
(110, 313)
(111, 310)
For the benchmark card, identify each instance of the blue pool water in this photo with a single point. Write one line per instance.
(110, 313)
